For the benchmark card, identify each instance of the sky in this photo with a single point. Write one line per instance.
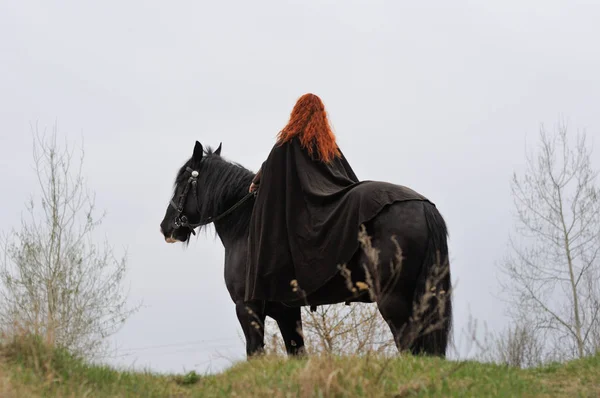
(443, 97)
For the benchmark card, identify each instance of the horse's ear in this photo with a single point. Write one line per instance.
(198, 151)
(218, 150)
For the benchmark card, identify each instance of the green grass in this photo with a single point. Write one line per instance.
(29, 369)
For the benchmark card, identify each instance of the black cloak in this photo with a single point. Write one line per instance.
(306, 220)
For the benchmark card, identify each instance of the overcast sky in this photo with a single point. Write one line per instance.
(439, 96)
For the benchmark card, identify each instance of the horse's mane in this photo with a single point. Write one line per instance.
(221, 184)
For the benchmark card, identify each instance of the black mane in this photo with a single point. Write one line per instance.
(221, 184)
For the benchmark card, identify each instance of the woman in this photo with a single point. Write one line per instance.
(309, 123)
(301, 226)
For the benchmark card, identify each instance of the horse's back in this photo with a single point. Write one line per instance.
(386, 192)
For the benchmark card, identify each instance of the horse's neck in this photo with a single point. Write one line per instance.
(234, 226)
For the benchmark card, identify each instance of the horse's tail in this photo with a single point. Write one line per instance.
(431, 318)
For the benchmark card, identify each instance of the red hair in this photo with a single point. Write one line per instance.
(309, 122)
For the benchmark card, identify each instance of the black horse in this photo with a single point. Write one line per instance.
(412, 287)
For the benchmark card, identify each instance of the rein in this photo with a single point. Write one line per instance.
(181, 220)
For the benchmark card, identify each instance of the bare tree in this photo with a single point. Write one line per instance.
(339, 329)
(553, 270)
(55, 281)
(519, 345)
(354, 329)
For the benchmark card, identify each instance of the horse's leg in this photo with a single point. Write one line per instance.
(252, 319)
(396, 277)
(395, 308)
(417, 305)
(289, 320)
(393, 293)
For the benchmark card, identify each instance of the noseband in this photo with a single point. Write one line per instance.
(181, 220)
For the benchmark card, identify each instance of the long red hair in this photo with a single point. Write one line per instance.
(309, 122)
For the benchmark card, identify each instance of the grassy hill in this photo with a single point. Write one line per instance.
(30, 370)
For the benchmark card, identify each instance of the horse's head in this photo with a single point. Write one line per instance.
(183, 212)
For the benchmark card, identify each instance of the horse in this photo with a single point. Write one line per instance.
(413, 293)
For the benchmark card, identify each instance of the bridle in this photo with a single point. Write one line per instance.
(181, 220)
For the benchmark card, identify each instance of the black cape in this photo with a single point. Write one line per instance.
(306, 220)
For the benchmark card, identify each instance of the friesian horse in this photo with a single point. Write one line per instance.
(402, 264)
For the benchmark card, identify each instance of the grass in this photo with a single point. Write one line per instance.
(29, 369)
